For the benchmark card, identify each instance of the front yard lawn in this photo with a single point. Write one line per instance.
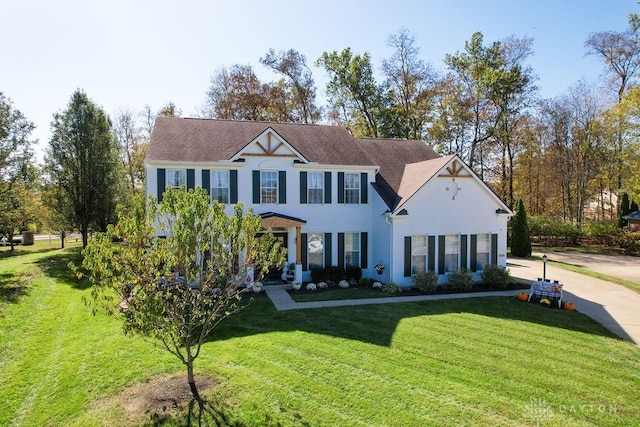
(482, 361)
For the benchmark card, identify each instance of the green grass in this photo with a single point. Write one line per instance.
(482, 361)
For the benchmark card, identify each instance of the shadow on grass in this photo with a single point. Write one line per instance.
(377, 323)
(57, 267)
(15, 286)
(198, 413)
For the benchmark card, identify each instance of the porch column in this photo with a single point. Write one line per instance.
(298, 244)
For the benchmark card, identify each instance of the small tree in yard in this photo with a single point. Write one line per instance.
(520, 237)
(177, 289)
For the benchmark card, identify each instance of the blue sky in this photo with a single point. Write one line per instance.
(128, 53)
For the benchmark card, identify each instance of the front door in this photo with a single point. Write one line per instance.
(275, 273)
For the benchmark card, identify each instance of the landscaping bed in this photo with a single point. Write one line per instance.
(362, 292)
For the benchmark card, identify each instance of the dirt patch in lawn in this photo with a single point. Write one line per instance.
(156, 400)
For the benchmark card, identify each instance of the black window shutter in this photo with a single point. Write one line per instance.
(340, 187)
(364, 250)
(441, 248)
(162, 183)
(341, 250)
(364, 188)
(304, 251)
(282, 187)
(303, 187)
(474, 252)
(327, 187)
(407, 256)
(494, 249)
(431, 262)
(191, 178)
(256, 187)
(233, 184)
(463, 251)
(206, 180)
(327, 250)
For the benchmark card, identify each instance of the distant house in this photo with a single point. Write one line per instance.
(633, 221)
(336, 200)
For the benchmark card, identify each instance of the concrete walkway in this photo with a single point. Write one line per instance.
(614, 306)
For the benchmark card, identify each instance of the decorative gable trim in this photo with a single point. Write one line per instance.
(269, 144)
(456, 169)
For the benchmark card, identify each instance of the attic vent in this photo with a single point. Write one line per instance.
(403, 212)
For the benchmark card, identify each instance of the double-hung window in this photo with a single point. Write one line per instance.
(482, 251)
(315, 187)
(268, 186)
(352, 249)
(176, 178)
(352, 188)
(220, 186)
(451, 252)
(418, 253)
(315, 247)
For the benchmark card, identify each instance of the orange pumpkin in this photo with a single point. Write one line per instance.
(523, 296)
(568, 306)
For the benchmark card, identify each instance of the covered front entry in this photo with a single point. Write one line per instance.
(275, 222)
(274, 275)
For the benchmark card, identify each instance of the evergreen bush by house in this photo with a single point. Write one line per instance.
(520, 237)
(494, 275)
(426, 281)
(460, 280)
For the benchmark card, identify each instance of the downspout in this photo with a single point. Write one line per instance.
(387, 218)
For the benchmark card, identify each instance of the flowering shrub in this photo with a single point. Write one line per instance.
(391, 288)
(376, 285)
(296, 285)
(322, 285)
(311, 286)
(343, 284)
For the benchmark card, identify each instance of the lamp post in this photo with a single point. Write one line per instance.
(544, 267)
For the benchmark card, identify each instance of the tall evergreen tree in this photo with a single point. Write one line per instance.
(625, 209)
(520, 237)
(82, 160)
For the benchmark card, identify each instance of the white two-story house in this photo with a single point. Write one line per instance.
(336, 200)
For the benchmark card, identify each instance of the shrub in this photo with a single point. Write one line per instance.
(319, 274)
(391, 288)
(335, 274)
(426, 281)
(354, 273)
(460, 280)
(496, 276)
(365, 282)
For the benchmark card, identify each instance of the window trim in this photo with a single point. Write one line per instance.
(447, 253)
(171, 172)
(320, 187)
(276, 187)
(322, 252)
(488, 252)
(355, 189)
(212, 186)
(414, 239)
(357, 252)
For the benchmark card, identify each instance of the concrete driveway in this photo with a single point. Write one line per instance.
(614, 306)
(623, 267)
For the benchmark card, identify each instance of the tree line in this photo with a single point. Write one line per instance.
(568, 157)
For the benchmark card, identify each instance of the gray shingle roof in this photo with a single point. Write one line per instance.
(208, 140)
